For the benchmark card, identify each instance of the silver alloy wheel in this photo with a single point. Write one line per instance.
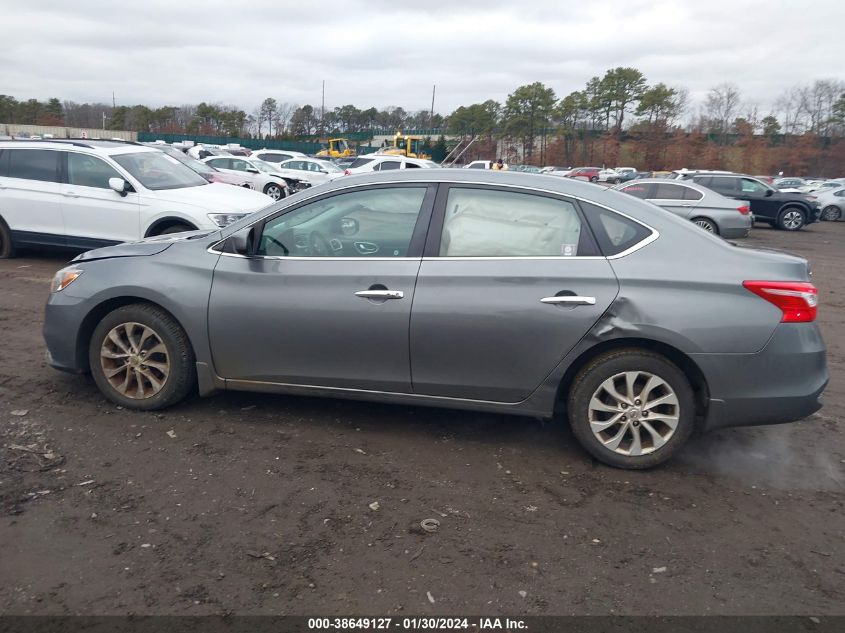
(707, 225)
(832, 213)
(134, 360)
(793, 220)
(634, 413)
(274, 191)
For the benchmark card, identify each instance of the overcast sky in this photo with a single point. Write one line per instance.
(391, 52)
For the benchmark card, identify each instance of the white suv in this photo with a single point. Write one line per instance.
(86, 194)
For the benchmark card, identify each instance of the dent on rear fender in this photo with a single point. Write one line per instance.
(626, 319)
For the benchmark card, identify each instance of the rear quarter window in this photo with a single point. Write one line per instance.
(640, 190)
(614, 233)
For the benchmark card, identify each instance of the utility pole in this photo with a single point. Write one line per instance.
(323, 110)
(104, 120)
(113, 105)
(431, 116)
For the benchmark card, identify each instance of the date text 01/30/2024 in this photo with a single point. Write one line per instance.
(416, 624)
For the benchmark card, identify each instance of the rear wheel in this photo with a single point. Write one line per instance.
(141, 358)
(631, 408)
(274, 191)
(594, 179)
(6, 248)
(706, 224)
(791, 219)
(831, 213)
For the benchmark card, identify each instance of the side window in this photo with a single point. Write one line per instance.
(34, 164)
(752, 186)
(4, 162)
(704, 181)
(296, 164)
(371, 223)
(477, 166)
(669, 191)
(411, 166)
(89, 171)
(496, 223)
(312, 166)
(722, 184)
(615, 233)
(220, 163)
(692, 194)
(640, 190)
(273, 158)
(390, 164)
(239, 165)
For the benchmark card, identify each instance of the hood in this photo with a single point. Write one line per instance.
(216, 197)
(142, 248)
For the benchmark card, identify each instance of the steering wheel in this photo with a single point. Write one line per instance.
(284, 248)
(319, 245)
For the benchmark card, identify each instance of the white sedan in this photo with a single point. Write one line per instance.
(384, 162)
(312, 170)
(262, 176)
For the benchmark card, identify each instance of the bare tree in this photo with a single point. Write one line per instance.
(722, 104)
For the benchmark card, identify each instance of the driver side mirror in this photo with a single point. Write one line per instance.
(252, 170)
(324, 171)
(119, 185)
(242, 242)
(770, 192)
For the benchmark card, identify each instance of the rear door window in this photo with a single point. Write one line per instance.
(692, 194)
(360, 162)
(389, 164)
(34, 164)
(498, 223)
(219, 163)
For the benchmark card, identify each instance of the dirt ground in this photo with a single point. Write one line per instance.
(255, 504)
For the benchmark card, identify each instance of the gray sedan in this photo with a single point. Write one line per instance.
(710, 210)
(509, 293)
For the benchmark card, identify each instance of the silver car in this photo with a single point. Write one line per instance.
(832, 204)
(710, 210)
(469, 289)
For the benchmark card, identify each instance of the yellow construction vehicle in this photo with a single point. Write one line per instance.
(403, 145)
(338, 148)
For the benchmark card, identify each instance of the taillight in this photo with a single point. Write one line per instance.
(744, 209)
(798, 300)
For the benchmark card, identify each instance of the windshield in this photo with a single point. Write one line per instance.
(267, 168)
(157, 171)
(197, 166)
(329, 167)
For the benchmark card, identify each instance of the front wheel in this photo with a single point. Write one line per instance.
(791, 219)
(631, 408)
(594, 179)
(830, 214)
(274, 191)
(141, 358)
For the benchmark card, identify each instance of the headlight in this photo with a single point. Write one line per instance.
(225, 219)
(64, 278)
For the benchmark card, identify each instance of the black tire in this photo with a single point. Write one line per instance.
(274, 190)
(594, 179)
(176, 228)
(707, 224)
(7, 251)
(603, 367)
(831, 213)
(181, 378)
(791, 219)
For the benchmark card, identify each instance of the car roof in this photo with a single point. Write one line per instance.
(664, 181)
(100, 146)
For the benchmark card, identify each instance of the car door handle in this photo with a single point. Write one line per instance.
(570, 300)
(380, 294)
(70, 194)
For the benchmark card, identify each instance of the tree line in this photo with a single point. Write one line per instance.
(615, 118)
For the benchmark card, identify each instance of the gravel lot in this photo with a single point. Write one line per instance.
(257, 504)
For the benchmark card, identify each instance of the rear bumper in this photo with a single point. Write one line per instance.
(782, 383)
